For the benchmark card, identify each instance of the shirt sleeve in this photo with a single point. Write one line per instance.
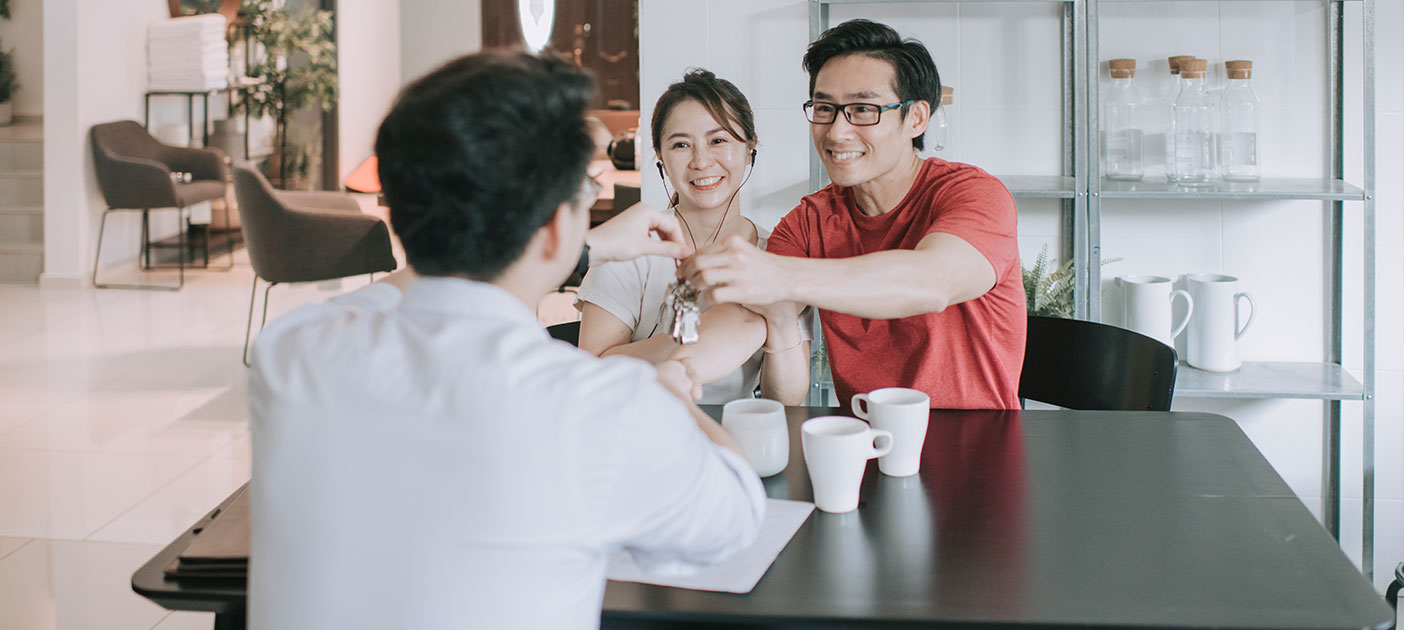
(617, 287)
(688, 503)
(790, 238)
(980, 210)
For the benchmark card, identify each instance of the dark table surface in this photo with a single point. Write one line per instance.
(1028, 519)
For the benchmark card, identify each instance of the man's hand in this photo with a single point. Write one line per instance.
(628, 235)
(737, 271)
(677, 376)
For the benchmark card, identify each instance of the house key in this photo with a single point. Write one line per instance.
(682, 297)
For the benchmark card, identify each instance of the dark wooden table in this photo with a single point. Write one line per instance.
(1035, 519)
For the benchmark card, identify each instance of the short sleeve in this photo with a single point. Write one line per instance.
(618, 288)
(790, 238)
(979, 209)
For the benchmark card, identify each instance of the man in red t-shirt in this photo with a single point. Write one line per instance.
(913, 263)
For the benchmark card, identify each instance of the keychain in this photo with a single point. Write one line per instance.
(682, 297)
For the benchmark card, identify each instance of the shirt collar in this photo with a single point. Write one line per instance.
(460, 295)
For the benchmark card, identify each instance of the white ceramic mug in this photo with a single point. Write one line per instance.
(1147, 305)
(836, 450)
(758, 425)
(903, 412)
(1214, 330)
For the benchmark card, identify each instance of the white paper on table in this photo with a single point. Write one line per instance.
(741, 572)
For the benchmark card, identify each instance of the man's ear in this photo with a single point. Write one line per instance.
(918, 115)
(561, 232)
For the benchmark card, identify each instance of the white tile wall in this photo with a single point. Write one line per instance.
(1003, 61)
(762, 54)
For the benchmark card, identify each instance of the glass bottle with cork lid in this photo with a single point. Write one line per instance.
(1168, 111)
(1238, 131)
(1122, 132)
(939, 128)
(1194, 120)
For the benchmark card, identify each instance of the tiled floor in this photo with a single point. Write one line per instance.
(123, 419)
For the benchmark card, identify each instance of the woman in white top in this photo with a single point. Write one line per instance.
(705, 140)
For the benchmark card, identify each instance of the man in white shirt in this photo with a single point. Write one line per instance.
(429, 458)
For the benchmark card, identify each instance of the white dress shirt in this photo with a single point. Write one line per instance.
(438, 461)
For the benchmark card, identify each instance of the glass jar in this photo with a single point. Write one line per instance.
(940, 126)
(1238, 130)
(1166, 112)
(1122, 132)
(1195, 116)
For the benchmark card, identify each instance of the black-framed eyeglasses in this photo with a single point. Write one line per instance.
(858, 114)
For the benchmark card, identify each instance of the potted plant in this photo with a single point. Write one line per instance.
(296, 68)
(1049, 293)
(7, 86)
(7, 74)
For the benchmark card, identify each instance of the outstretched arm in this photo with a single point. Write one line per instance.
(630, 234)
(941, 271)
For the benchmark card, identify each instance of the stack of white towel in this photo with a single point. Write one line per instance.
(187, 54)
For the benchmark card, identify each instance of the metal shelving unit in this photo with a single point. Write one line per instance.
(1081, 189)
(1327, 380)
(1265, 190)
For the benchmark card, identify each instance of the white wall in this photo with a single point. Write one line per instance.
(94, 71)
(1003, 60)
(24, 33)
(368, 65)
(434, 31)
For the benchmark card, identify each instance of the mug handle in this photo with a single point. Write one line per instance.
(860, 410)
(1252, 310)
(1189, 311)
(883, 438)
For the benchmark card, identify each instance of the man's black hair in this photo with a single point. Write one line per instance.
(477, 155)
(917, 79)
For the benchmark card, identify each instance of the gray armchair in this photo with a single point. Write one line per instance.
(134, 172)
(305, 237)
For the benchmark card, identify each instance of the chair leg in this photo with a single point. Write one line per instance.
(248, 329)
(181, 239)
(145, 239)
(263, 323)
(144, 255)
(97, 258)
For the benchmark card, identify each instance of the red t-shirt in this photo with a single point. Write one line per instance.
(968, 356)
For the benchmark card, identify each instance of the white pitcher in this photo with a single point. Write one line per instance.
(1148, 302)
(1214, 330)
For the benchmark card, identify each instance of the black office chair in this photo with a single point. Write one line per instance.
(1090, 366)
(568, 332)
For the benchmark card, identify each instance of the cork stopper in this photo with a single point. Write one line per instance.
(947, 93)
(1194, 68)
(1240, 69)
(1122, 68)
(1175, 62)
